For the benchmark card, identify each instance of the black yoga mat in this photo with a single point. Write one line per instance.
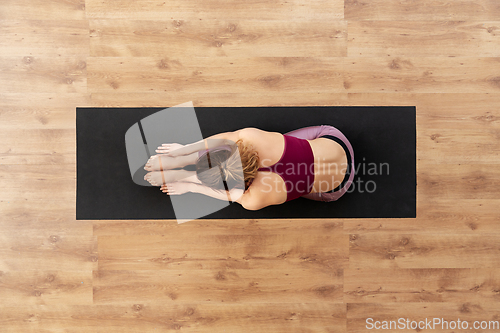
(383, 139)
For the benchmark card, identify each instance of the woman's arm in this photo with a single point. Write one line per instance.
(234, 195)
(250, 202)
(214, 141)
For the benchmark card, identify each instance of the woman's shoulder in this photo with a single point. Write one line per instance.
(253, 133)
(255, 197)
(262, 193)
(260, 139)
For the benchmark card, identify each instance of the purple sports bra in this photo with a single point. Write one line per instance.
(295, 167)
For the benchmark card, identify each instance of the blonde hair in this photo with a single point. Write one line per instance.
(225, 166)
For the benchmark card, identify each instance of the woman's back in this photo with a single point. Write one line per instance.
(270, 147)
(271, 187)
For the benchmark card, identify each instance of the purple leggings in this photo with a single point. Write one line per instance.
(314, 132)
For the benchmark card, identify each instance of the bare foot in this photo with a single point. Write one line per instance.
(160, 162)
(154, 178)
(177, 188)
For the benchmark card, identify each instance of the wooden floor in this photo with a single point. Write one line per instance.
(62, 275)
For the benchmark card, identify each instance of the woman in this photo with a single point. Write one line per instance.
(315, 162)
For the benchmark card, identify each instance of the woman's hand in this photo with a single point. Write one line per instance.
(176, 188)
(170, 149)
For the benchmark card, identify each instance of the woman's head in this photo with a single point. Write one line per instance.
(236, 166)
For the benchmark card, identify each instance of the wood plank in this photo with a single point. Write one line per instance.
(233, 226)
(290, 10)
(38, 146)
(192, 317)
(374, 285)
(446, 146)
(467, 181)
(200, 99)
(54, 182)
(35, 111)
(421, 74)
(175, 286)
(43, 74)
(217, 38)
(49, 251)
(54, 153)
(214, 75)
(443, 111)
(40, 287)
(436, 216)
(217, 75)
(43, 10)
(406, 250)
(32, 218)
(36, 38)
(437, 313)
(423, 39)
(230, 247)
(433, 110)
(180, 264)
(428, 10)
(51, 101)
